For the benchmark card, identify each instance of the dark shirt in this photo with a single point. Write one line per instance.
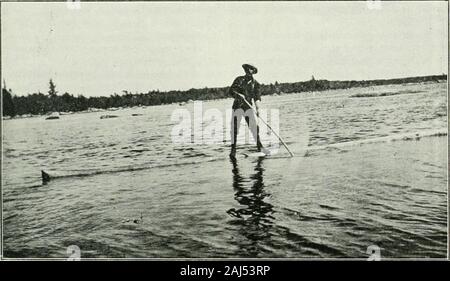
(246, 86)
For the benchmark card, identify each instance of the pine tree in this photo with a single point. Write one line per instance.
(52, 91)
(9, 108)
(54, 99)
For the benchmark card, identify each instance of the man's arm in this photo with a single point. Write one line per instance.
(257, 97)
(235, 87)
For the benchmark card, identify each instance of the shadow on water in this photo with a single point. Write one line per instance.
(254, 217)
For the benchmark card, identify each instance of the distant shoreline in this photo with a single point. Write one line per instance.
(39, 104)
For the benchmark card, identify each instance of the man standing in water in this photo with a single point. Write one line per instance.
(245, 88)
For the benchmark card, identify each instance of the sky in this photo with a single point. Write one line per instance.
(103, 48)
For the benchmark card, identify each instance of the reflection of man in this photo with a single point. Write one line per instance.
(245, 88)
(254, 215)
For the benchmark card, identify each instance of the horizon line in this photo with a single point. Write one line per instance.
(218, 87)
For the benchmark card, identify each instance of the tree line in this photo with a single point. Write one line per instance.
(43, 103)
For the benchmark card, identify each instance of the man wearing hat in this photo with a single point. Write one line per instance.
(248, 89)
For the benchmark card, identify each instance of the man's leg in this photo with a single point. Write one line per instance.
(235, 123)
(254, 129)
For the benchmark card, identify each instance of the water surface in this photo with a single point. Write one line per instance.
(370, 169)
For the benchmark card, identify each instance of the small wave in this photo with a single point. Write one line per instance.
(74, 174)
(384, 94)
(421, 190)
(327, 207)
(139, 150)
(396, 137)
(7, 218)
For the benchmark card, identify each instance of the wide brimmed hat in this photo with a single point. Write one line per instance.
(250, 68)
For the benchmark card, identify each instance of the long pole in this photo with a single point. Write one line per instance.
(281, 140)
